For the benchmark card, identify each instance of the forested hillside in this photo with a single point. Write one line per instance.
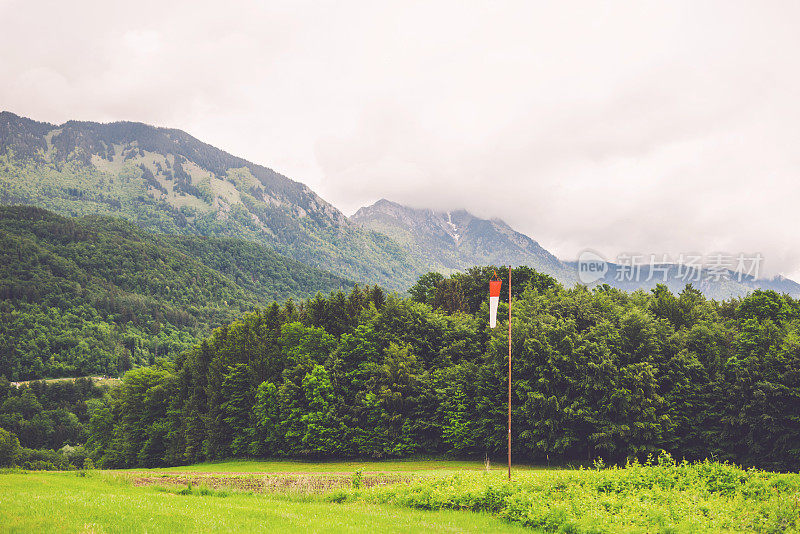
(98, 295)
(167, 181)
(595, 373)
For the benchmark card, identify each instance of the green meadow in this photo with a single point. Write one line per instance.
(103, 502)
(333, 466)
(402, 496)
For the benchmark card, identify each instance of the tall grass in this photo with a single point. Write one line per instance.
(658, 496)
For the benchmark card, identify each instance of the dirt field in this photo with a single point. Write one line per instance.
(267, 482)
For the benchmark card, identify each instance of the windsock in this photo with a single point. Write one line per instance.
(494, 299)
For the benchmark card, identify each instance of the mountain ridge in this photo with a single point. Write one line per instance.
(167, 181)
(89, 137)
(433, 235)
(456, 240)
(720, 285)
(170, 182)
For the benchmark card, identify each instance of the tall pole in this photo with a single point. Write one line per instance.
(509, 372)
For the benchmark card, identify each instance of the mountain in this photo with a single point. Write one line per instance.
(80, 296)
(456, 240)
(719, 285)
(167, 181)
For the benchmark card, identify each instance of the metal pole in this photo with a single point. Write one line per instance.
(509, 372)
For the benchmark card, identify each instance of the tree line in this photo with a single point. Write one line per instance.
(596, 373)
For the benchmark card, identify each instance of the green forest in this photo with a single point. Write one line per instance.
(597, 373)
(99, 295)
(215, 367)
(43, 425)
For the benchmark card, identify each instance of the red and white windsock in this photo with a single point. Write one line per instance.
(494, 300)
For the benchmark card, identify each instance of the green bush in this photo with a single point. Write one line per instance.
(39, 465)
(358, 479)
(75, 456)
(55, 460)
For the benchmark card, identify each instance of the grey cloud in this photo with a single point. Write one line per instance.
(661, 127)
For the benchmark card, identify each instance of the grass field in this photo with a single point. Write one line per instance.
(64, 502)
(294, 466)
(401, 496)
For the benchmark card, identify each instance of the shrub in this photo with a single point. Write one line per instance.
(55, 459)
(75, 456)
(39, 465)
(358, 479)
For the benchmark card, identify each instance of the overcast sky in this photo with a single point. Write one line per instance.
(665, 127)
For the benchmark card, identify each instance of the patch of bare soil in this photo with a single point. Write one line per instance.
(266, 483)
